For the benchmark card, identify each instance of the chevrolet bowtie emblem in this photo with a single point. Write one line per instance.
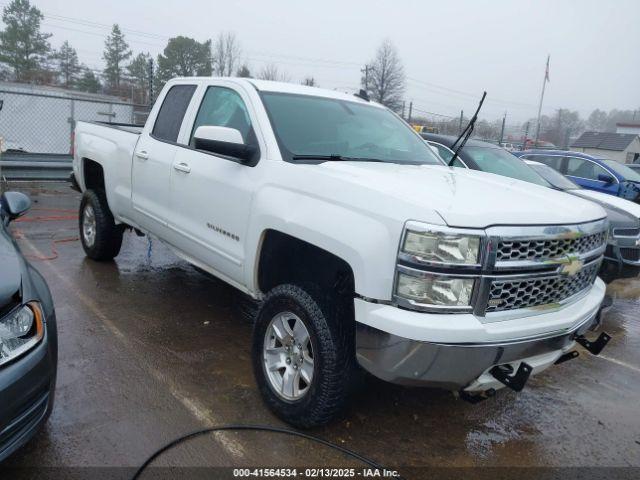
(571, 266)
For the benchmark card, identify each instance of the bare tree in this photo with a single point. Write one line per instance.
(385, 79)
(309, 82)
(225, 54)
(271, 72)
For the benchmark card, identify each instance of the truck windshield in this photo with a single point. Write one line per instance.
(310, 126)
(501, 162)
(554, 177)
(623, 170)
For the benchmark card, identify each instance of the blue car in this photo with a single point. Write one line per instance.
(593, 173)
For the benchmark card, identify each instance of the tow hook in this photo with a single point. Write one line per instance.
(567, 356)
(514, 382)
(597, 345)
(474, 398)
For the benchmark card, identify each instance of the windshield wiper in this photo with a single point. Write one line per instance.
(336, 158)
(466, 133)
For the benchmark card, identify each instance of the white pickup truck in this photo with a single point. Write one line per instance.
(363, 249)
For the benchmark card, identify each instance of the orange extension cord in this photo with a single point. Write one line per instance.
(50, 215)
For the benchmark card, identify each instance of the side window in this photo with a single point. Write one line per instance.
(223, 107)
(446, 154)
(579, 167)
(554, 161)
(172, 112)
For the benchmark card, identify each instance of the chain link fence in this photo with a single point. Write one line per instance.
(42, 123)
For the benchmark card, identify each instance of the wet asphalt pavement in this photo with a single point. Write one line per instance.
(151, 349)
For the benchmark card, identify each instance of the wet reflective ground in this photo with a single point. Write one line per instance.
(151, 349)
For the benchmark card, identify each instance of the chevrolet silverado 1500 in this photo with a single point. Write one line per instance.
(363, 249)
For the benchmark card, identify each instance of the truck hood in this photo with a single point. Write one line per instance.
(606, 199)
(466, 198)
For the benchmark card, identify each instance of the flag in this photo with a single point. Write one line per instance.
(546, 72)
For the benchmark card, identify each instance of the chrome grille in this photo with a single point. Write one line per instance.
(627, 232)
(631, 254)
(546, 249)
(526, 293)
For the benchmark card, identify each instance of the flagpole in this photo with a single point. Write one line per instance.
(544, 84)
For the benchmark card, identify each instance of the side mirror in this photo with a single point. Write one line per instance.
(224, 141)
(14, 204)
(607, 179)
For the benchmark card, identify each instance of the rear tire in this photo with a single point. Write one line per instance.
(100, 236)
(323, 363)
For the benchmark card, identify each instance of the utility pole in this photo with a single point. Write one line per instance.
(410, 111)
(365, 70)
(544, 84)
(460, 126)
(403, 106)
(526, 132)
(504, 119)
(150, 81)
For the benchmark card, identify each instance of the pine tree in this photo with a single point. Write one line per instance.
(23, 47)
(66, 59)
(139, 73)
(244, 71)
(116, 52)
(88, 82)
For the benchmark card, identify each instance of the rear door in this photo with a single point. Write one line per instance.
(587, 174)
(211, 194)
(153, 158)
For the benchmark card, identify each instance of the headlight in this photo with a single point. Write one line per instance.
(442, 248)
(435, 290)
(19, 331)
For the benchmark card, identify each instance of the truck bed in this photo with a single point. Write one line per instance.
(127, 127)
(112, 146)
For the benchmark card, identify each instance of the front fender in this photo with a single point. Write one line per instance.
(368, 243)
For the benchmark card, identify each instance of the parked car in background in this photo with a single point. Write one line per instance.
(28, 338)
(484, 156)
(509, 146)
(622, 257)
(358, 244)
(593, 173)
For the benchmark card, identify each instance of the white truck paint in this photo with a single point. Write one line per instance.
(216, 213)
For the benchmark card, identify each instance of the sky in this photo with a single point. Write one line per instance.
(451, 50)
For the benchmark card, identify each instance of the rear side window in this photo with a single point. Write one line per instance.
(554, 161)
(172, 112)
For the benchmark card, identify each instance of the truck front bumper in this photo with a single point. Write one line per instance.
(621, 260)
(465, 365)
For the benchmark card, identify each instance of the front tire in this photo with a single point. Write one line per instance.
(101, 238)
(302, 356)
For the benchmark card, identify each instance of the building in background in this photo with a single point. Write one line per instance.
(628, 127)
(622, 147)
(40, 119)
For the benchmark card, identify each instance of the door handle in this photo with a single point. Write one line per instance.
(182, 167)
(142, 155)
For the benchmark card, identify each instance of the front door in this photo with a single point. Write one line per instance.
(211, 194)
(589, 174)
